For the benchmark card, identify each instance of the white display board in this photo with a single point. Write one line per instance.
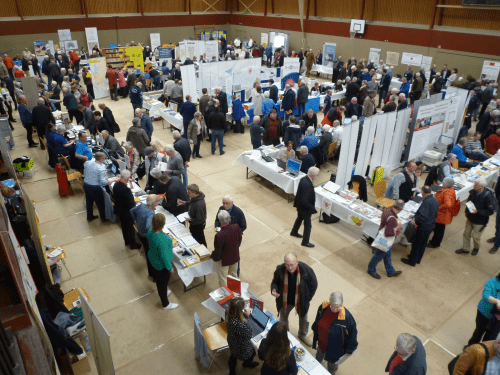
(329, 52)
(411, 58)
(357, 25)
(264, 38)
(374, 55)
(64, 35)
(155, 41)
(366, 145)
(182, 51)
(191, 48)
(267, 73)
(189, 82)
(490, 71)
(211, 49)
(92, 38)
(347, 153)
(97, 67)
(426, 64)
(392, 58)
(398, 140)
(71, 45)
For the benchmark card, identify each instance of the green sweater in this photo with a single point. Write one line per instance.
(160, 250)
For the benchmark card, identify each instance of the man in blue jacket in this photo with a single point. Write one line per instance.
(402, 103)
(135, 95)
(385, 82)
(288, 102)
(187, 111)
(269, 54)
(463, 161)
(409, 356)
(405, 87)
(146, 124)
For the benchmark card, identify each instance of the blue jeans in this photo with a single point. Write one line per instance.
(218, 134)
(377, 257)
(185, 178)
(302, 108)
(474, 113)
(497, 232)
(256, 144)
(382, 93)
(480, 156)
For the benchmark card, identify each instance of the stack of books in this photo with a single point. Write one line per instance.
(201, 251)
(189, 261)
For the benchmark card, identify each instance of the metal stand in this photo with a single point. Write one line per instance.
(191, 286)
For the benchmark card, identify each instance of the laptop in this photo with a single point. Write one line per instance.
(265, 157)
(281, 164)
(257, 321)
(293, 167)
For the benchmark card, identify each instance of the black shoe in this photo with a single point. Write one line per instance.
(395, 274)
(13, 120)
(199, 156)
(213, 153)
(33, 145)
(491, 240)
(431, 246)
(92, 218)
(462, 251)
(474, 252)
(251, 365)
(296, 235)
(193, 156)
(135, 246)
(223, 152)
(374, 275)
(223, 145)
(407, 261)
(42, 146)
(493, 250)
(308, 244)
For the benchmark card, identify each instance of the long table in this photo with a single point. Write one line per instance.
(489, 171)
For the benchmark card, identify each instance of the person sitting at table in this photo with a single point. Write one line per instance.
(226, 254)
(111, 144)
(293, 132)
(286, 152)
(310, 118)
(160, 256)
(402, 184)
(463, 161)
(473, 148)
(151, 160)
(134, 159)
(307, 159)
(311, 140)
(82, 151)
(446, 169)
(239, 334)
(324, 143)
(492, 144)
(335, 332)
(174, 190)
(275, 351)
(56, 140)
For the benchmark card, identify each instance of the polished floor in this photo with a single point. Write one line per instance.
(435, 301)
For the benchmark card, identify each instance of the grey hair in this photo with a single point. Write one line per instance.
(304, 150)
(128, 144)
(462, 141)
(451, 156)
(482, 182)
(41, 101)
(169, 148)
(65, 90)
(310, 130)
(399, 204)
(155, 172)
(417, 74)
(406, 342)
(449, 182)
(125, 175)
(136, 121)
(326, 128)
(176, 134)
(393, 98)
(228, 197)
(105, 132)
(313, 171)
(151, 198)
(224, 217)
(290, 256)
(197, 113)
(336, 298)
(60, 128)
(310, 111)
(498, 337)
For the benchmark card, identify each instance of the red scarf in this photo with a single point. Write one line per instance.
(395, 361)
(297, 290)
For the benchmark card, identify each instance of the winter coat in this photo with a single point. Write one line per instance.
(446, 199)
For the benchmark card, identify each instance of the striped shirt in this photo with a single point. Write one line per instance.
(473, 145)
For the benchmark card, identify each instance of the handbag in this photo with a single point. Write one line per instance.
(382, 242)
(451, 365)
(141, 170)
(410, 232)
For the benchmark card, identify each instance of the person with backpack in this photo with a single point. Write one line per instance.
(483, 358)
(449, 207)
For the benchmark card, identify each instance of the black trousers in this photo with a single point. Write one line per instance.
(198, 233)
(11, 73)
(306, 218)
(269, 61)
(438, 234)
(196, 147)
(162, 277)
(233, 361)
(482, 110)
(418, 246)
(128, 231)
(94, 193)
(9, 111)
(113, 92)
(481, 323)
(76, 67)
(145, 243)
(13, 96)
(238, 126)
(29, 132)
(90, 90)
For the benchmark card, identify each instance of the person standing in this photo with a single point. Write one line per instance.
(226, 252)
(269, 54)
(309, 61)
(187, 111)
(160, 256)
(197, 212)
(289, 102)
(447, 199)
(409, 357)
(275, 351)
(9, 63)
(294, 285)
(239, 335)
(392, 228)
(94, 179)
(146, 123)
(302, 97)
(113, 83)
(27, 120)
(217, 121)
(335, 332)
(135, 94)
(196, 132)
(273, 129)
(385, 82)
(425, 219)
(124, 202)
(256, 132)
(142, 214)
(305, 199)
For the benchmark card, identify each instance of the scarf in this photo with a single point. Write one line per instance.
(297, 291)
(493, 366)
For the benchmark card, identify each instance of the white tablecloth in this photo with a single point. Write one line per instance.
(396, 83)
(154, 107)
(170, 116)
(471, 176)
(187, 274)
(322, 69)
(270, 171)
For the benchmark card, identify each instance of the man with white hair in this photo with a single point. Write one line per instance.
(324, 143)
(256, 133)
(306, 159)
(445, 168)
(416, 88)
(124, 202)
(305, 199)
(146, 123)
(484, 205)
(409, 356)
(152, 159)
(408, 73)
(353, 108)
(311, 140)
(237, 215)
(369, 106)
(135, 95)
(226, 254)
(111, 144)
(405, 87)
(437, 84)
(402, 102)
(175, 165)
(337, 132)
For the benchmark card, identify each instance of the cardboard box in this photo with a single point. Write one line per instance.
(80, 363)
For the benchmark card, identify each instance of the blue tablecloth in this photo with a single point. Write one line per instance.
(313, 103)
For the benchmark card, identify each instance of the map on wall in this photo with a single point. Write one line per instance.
(392, 58)
(98, 70)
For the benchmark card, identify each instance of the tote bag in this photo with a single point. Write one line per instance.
(382, 242)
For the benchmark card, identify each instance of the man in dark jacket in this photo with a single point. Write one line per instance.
(197, 212)
(222, 97)
(273, 128)
(110, 118)
(352, 89)
(288, 103)
(307, 161)
(302, 97)
(124, 201)
(416, 88)
(181, 145)
(41, 115)
(284, 288)
(273, 91)
(135, 95)
(217, 121)
(311, 119)
(445, 73)
(385, 82)
(425, 219)
(437, 84)
(484, 205)
(54, 73)
(353, 108)
(187, 111)
(305, 199)
(237, 215)
(409, 357)
(324, 143)
(112, 144)
(486, 97)
(173, 189)
(402, 102)
(391, 106)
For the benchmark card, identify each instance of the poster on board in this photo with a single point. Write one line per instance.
(264, 39)
(71, 45)
(40, 48)
(64, 35)
(426, 63)
(329, 51)
(411, 58)
(97, 68)
(489, 73)
(392, 58)
(374, 55)
(155, 40)
(92, 38)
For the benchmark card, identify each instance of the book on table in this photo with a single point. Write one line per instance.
(191, 260)
(234, 284)
(227, 296)
(254, 301)
(202, 252)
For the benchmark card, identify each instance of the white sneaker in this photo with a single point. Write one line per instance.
(169, 292)
(171, 306)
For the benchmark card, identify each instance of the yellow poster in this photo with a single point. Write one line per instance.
(135, 55)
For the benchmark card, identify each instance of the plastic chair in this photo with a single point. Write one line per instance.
(331, 149)
(455, 164)
(379, 188)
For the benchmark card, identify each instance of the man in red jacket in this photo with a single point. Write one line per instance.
(113, 82)
(9, 63)
(75, 61)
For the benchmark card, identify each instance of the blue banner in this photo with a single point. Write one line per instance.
(165, 52)
(329, 50)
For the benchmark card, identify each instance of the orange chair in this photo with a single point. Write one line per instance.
(355, 187)
(379, 188)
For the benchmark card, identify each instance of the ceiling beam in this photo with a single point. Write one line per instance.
(19, 11)
(307, 9)
(433, 18)
(84, 7)
(362, 9)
